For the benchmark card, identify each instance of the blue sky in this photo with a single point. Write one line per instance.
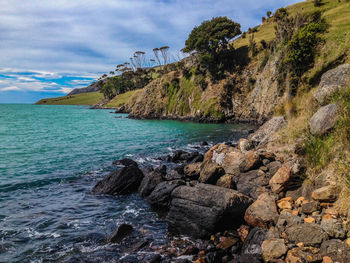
(48, 47)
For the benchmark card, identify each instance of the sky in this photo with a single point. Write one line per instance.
(49, 47)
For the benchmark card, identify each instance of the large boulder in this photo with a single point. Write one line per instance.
(124, 181)
(192, 171)
(262, 213)
(263, 134)
(160, 197)
(205, 209)
(251, 161)
(331, 82)
(328, 193)
(309, 234)
(324, 119)
(151, 180)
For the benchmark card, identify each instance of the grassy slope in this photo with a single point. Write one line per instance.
(90, 98)
(121, 99)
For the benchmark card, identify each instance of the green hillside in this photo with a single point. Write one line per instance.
(90, 98)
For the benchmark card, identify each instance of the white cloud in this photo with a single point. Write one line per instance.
(10, 88)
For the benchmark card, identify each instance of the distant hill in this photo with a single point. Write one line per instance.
(90, 98)
(95, 86)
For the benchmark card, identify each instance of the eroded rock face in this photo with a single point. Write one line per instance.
(211, 173)
(124, 181)
(151, 180)
(323, 120)
(262, 213)
(226, 181)
(192, 171)
(309, 234)
(204, 209)
(332, 81)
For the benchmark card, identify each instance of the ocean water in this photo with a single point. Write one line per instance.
(51, 157)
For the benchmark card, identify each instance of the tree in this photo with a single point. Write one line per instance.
(111, 73)
(210, 40)
(317, 3)
(139, 59)
(165, 54)
(212, 35)
(156, 54)
(268, 14)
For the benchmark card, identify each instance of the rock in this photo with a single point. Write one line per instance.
(273, 167)
(251, 250)
(327, 193)
(155, 259)
(205, 209)
(173, 175)
(263, 134)
(251, 161)
(150, 181)
(161, 196)
(309, 220)
(226, 243)
(273, 249)
(226, 181)
(309, 207)
(287, 177)
(299, 201)
(309, 234)
(337, 250)
(324, 119)
(285, 203)
(244, 145)
(192, 171)
(262, 213)
(122, 231)
(303, 254)
(124, 181)
(334, 228)
(286, 220)
(248, 183)
(211, 173)
(331, 82)
(125, 162)
(243, 232)
(182, 156)
(327, 259)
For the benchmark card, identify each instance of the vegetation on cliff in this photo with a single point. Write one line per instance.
(76, 99)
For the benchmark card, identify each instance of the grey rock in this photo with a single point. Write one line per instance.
(334, 228)
(121, 232)
(286, 220)
(205, 209)
(323, 120)
(273, 249)
(331, 82)
(273, 167)
(310, 207)
(249, 182)
(124, 181)
(310, 234)
(150, 181)
(263, 134)
(251, 250)
(337, 250)
(161, 196)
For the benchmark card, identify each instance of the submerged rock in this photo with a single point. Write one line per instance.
(205, 209)
(124, 181)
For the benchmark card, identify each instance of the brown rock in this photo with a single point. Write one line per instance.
(227, 243)
(332, 211)
(226, 181)
(281, 179)
(310, 234)
(327, 259)
(299, 201)
(285, 203)
(243, 232)
(327, 193)
(251, 161)
(305, 254)
(262, 213)
(192, 170)
(309, 208)
(210, 173)
(309, 220)
(273, 249)
(244, 145)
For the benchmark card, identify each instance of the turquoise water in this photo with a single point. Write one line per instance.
(50, 158)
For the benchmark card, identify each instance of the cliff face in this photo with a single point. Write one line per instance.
(249, 95)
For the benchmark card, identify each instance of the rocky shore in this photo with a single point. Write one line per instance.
(236, 203)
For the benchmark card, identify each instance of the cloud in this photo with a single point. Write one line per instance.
(11, 88)
(50, 40)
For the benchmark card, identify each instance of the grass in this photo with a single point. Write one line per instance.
(89, 98)
(122, 99)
